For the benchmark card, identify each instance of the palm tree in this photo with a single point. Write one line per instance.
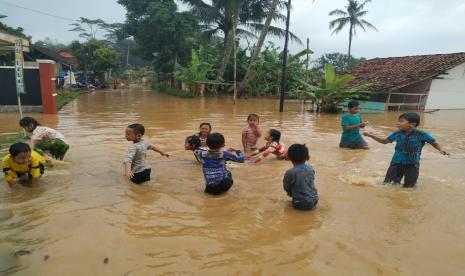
(218, 16)
(352, 16)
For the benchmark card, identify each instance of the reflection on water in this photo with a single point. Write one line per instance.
(85, 211)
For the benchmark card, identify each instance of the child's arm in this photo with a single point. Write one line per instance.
(437, 146)
(127, 170)
(258, 131)
(287, 183)
(152, 147)
(238, 157)
(376, 138)
(363, 124)
(244, 138)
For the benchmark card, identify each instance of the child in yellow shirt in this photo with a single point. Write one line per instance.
(22, 162)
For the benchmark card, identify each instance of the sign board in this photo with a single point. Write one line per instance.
(19, 74)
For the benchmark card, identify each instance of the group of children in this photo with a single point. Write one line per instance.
(29, 160)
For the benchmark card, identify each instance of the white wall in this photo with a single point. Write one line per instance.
(449, 91)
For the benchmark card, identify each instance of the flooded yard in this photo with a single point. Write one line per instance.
(86, 211)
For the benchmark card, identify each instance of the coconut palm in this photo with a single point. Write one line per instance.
(223, 16)
(352, 16)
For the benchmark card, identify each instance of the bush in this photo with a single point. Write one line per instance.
(158, 87)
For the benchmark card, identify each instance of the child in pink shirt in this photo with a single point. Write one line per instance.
(251, 132)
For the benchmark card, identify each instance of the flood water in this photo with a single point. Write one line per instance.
(86, 211)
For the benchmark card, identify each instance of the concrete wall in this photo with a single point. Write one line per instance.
(448, 91)
(31, 101)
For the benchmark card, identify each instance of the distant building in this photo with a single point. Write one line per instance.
(413, 82)
(64, 59)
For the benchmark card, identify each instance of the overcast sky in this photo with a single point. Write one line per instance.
(406, 27)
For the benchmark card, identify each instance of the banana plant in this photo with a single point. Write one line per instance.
(330, 92)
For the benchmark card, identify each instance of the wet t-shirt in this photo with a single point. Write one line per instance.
(409, 146)
(250, 136)
(352, 135)
(137, 156)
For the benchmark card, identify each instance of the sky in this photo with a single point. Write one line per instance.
(406, 27)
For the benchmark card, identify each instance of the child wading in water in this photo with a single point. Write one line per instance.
(351, 123)
(217, 178)
(272, 146)
(137, 169)
(409, 143)
(45, 139)
(22, 162)
(299, 181)
(204, 131)
(251, 132)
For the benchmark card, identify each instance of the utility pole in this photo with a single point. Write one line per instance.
(283, 74)
(234, 59)
(306, 66)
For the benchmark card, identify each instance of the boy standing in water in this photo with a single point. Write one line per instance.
(217, 178)
(137, 169)
(409, 143)
(351, 123)
(22, 161)
(250, 133)
(299, 181)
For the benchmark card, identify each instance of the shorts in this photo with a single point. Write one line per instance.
(56, 147)
(304, 205)
(359, 144)
(28, 175)
(396, 172)
(142, 176)
(223, 186)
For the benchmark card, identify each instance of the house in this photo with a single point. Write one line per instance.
(64, 59)
(413, 82)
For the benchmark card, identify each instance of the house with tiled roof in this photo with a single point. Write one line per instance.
(414, 82)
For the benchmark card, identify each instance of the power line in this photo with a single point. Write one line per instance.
(37, 11)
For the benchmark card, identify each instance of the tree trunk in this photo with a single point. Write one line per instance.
(257, 50)
(350, 46)
(228, 43)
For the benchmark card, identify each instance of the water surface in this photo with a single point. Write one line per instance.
(87, 211)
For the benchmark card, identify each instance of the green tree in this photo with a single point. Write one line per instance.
(95, 56)
(88, 28)
(51, 44)
(352, 17)
(338, 60)
(246, 16)
(165, 35)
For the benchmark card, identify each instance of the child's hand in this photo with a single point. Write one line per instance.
(165, 154)
(364, 124)
(129, 174)
(443, 152)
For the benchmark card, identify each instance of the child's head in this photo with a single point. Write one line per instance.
(215, 141)
(353, 107)
(192, 142)
(205, 128)
(273, 135)
(408, 121)
(135, 132)
(298, 154)
(253, 119)
(21, 153)
(28, 123)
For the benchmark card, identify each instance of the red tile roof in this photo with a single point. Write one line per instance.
(395, 72)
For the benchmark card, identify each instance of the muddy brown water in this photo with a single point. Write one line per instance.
(86, 211)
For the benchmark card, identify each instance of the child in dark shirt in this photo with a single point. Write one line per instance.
(299, 181)
(409, 143)
(217, 178)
